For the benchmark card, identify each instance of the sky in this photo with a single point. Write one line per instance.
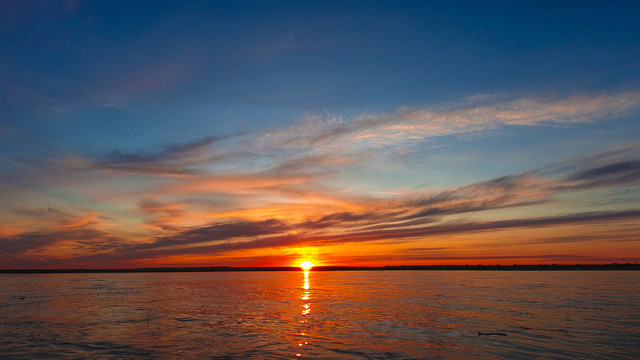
(250, 133)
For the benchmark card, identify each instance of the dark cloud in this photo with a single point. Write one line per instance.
(172, 160)
(503, 192)
(308, 166)
(162, 215)
(272, 234)
(43, 212)
(482, 259)
(152, 252)
(420, 217)
(590, 217)
(618, 173)
(89, 239)
(470, 227)
(27, 242)
(347, 219)
(608, 236)
(401, 219)
(431, 215)
(216, 232)
(427, 249)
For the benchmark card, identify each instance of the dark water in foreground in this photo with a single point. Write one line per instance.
(327, 315)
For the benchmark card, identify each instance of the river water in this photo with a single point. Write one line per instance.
(322, 315)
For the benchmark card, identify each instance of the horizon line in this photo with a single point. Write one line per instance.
(547, 267)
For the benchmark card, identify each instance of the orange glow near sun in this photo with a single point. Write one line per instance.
(306, 265)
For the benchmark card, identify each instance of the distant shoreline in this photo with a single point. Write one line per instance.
(554, 267)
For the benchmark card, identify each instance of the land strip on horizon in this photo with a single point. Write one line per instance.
(515, 267)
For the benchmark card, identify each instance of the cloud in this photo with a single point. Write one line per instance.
(506, 191)
(622, 172)
(216, 232)
(57, 218)
(200, 250)
(412, 216)
(163, 215)
(457, 227)
(90, 240)
(322, 146)
(496, 258)
(346, 219)
(410, 125)
(415, 216)
(264, 236)
(27, 242)
(283, 187)
(172, 160)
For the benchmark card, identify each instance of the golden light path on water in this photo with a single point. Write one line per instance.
(306, 307)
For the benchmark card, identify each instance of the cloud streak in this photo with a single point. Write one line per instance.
(348, 140)
(284, 188)
(173, 160)
(408, 125)
(271, 236)
(623, 172)
(415, 218)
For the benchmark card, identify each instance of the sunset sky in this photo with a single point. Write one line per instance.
(244, 133)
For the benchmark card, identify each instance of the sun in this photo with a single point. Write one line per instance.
(306, 265)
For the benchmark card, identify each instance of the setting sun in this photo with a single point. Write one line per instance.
(306, 265)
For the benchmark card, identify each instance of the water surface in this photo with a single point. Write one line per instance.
(322, 315)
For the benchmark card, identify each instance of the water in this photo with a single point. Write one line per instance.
(323, 315)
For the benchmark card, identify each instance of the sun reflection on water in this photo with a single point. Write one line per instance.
(306, 294)
(306, 280)
(306, 308)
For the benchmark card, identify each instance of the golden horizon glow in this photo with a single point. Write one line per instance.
(306, 265)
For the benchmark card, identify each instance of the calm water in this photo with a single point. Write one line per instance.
(325, 315)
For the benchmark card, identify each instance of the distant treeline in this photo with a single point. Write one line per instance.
(552, 267)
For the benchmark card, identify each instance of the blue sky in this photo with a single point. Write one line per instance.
(130, 123)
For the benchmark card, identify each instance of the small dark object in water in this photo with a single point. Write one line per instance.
(492, 333)
(147, 321)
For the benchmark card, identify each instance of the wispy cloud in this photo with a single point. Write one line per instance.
(536, 258)
(269, 234)
(282, 188)
(217, 232)
(172, 160)
(328, 143)
(623, 172)
(57, 219)
(87, 239)
(408, 125)
(416, 217)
